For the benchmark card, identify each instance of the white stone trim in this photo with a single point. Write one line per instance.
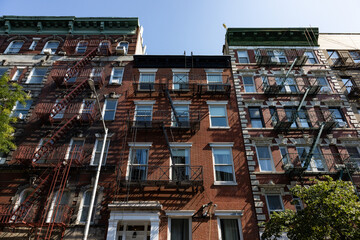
(142, 102)
(181, 144)
(180, 70)
(147, 70)
(140, 144)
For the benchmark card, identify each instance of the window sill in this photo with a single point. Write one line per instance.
(225, 183)
(115, 84)
(219, 128)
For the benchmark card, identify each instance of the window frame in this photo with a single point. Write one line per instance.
(243, 57)
(256, 118)
(4, 72)
(133, 146)
(151, 84)
(323, 87)
(247, 85)
(178, 86)
(313, 161)
(106, 151)
(311, 59)
(103, 114)
(143, 103)
(352, 54)
(126, 47)
(52, 49)
(118, 77)
(81, 207)
(343, 119)
(83, 49)
(33, 45)
(49, 215)
(7, 51)
(187, 164)
(180, 104)
(17, 74)
(268, 205)
(70, 148)
(229, 214)
(27, 107)
(271, 159)
(218, 104)
(214, 85)
(170, 219)
(28, 80)
(223, 146)
(276, 54)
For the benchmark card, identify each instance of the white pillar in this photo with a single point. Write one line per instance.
(154, 230)
(111, 234)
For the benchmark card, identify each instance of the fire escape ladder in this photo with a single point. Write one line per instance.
(167, 142)
(313, 147)
(48, 146)
(303, 99)
(172, 107)
(287, 74)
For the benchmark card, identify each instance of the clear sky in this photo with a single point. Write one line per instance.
(175, 26)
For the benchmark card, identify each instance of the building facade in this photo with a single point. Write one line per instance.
(174, 163)
(297, 121)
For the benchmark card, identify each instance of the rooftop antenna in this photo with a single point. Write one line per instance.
(192, 60)
(185, 58)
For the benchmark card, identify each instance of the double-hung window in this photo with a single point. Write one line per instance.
(60, 114)
(256, 118)
(16, 75)
(181, 79)
(81, 47)
(316, 163)
(324, 84)
(116, 75)
(249, 84)
(138, 161)
(299, 118)
(338, 117)
(277, 56)
(243, 56)
(214, 80)
(143, 114)
(347, 83)
(355, 55)
(264, 159)
(37, 75)
(180, 163)
(333, 55)
(311, 57)
(230, 228)
(354, 154)
(85, 206)
(95, 159)
(223, 163)
(218, 115)
(21, 110)
(274, 203)
(110, 109)
(180, 228)
(52, 45)
(289, 85)
(14, 47)
(147, 79)
(180, 118)
(75, 149)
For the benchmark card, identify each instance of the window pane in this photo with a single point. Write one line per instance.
(214, 78)
(274, 203)
(219, 122)
(263, 152)
(140, 156)
(217, 111)
(224, 173)
(111, 104)
(180, 229)
(222, 156)
(3, 71)
(229, 229)
(254, 112)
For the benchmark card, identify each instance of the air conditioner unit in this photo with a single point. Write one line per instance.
(121, 50)
(325, 89)
(341, 124)
(47, 51)
(275, 59)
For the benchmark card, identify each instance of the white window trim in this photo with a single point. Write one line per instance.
(181, 146)
(218, 103)
(137, 146)
(45, 47)
(34, 43)
(221, 145)
(80, 212)
(104, 108)
(253, 83)
(78, 44)
(94, 150)
(140, 144)
(19, 70)
(179, 214)
(142, 104)
(70, 146)
(180, 70)
(210, 70)
(30, 76)
(14, 109)
(271, 159)
(112, 76)
(173, 120)
(268, 206)
(247, 56)
(227, 214)
(147, 70)
(49, 217)
(10, 45)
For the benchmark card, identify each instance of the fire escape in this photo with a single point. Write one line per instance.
(33, 211)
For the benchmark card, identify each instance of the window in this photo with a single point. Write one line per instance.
(215, 82)
(36, 75)
(60, 114)
(180, 228)
(52, 45)
(182, 114)
(138, 164)
(256, 117)
(20, 110)
(264, 159)
(299, 118)
(147, 81)
(104, 45)
(81, 47)
(116, 75)
(274, 115)
(16, 75)
(180, 164)
(230, 229)
(223, 164)
(277, 56)
(354, 154)
(243, 57)
(323, 83)
(338, 117)
(85, 206)
(110, 109)
(96, 74)
(274, 203)
(75, 149)
(333, 55)
(284, 156)
(347, 83)
(355, 55)
(316, 162)
(60, 206)
(33, 44)
(218, 115)
(249, 84)
(3, 71)
(311, 57)
(14, 47)
(298, 203)
(143, 115)
(181, 81)
(124, 45)
(95, 159)
(289, 85)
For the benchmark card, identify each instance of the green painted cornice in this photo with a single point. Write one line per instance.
(48, 25)
(272, 36)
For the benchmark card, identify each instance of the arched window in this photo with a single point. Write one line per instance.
(81, 47)
(85, 206)
(59, 207)
(52, 45)
(122, 48)
(21, 209)
(14, 47)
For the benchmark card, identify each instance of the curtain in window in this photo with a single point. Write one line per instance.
(179, 229)
(229, 229)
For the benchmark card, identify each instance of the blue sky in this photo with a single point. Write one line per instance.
(175, 26)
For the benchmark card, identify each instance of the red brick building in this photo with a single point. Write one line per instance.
(174, 165)
(296, 121)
